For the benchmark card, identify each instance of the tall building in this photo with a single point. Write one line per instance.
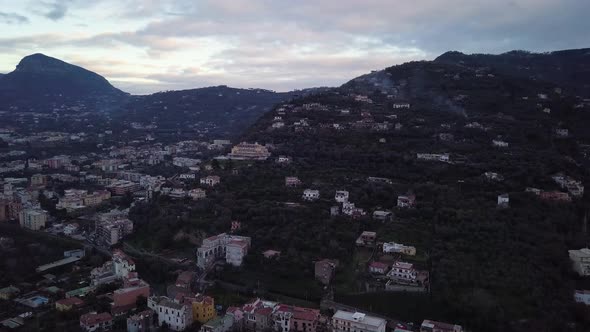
(178, 316)
(203, 309)
(33, 218)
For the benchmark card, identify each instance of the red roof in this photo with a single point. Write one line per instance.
(94, 318)
(72, 301)
(263, 311)
(379, 265)
(300, 313)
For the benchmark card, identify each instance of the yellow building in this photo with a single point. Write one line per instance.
(203, 309)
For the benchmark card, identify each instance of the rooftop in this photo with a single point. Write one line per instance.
(360, 317)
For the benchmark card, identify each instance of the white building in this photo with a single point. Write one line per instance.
(443, 157)
(402, 271)
(33, 218)
(185, 162)
(177, 316)
(210, 180)
(341, 196)
(311, 194)
(122, 264)
(499, 143)
(392, 247)
(582, 296)
(197, 193)
(344, 321)
(503, 200)
(231, 248)
(581, 261)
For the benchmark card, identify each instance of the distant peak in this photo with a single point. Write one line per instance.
(41, 62)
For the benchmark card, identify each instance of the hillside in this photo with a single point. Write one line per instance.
(568, 68)
(491, 268)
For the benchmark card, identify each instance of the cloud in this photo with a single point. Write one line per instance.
(13, 18)
(166, 44)
(55, 10)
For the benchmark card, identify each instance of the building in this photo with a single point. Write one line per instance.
(403, 272)
(111, 231)
(68, 304)
(311, 194)
(231, 248)
(125, 298)
(249, 151)
(268, 254)
(258, 315)
(197, 194)
(283, 160)
(406, 201)
(432, 326)
(122, 187)
(211, 180)
(392, 247)
(324, 270)
(443, 157)
(292, 181)
(366, 239)
(382, 215)
(503, 200)
(289, 318)
(33, 218)
(499, 143)
(581, 261)
(91, 322)
(341, 196)
(203, 309)
(556, 196)
(38, 180)
(178, 316)
(344, 321)
(122, 264)
(9, 292)
(378, 267)
(141, 322)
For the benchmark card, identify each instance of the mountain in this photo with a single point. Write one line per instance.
(39, 74)
(568, 68)
(506, 123)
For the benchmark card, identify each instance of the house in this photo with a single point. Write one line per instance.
(271, 254)
(283, 160)
(580, 261)
(341, 196)
(219, 324)
(311, 195)
(235, 225)
(203, 309)
(253, 151)
(9, 292)
(503, 200)
(442, 157)
(404, 273)
(406, 201)
(122, 264)
(392, 247)
(197, 194)
(126, 297)
(177, 316)
(556, 196)
(91, 322)
(378, 267)
(289, 318)
(68, 304)
(211, 180)
(258, 315)
(499, 143)
(141, 322)
(582, 296)
(325, 269)
(344, 321)
(349, 209)
(382, 215)
(366, 239)
(401, 105)
(292, 181)
(433, 326)
(185, 280)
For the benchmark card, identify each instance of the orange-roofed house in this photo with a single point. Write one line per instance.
(68, 304)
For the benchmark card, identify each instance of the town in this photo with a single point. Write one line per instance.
(408, 199)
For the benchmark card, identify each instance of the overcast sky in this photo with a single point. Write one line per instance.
(144, 46)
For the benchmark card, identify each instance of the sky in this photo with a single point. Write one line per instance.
(145, 46)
